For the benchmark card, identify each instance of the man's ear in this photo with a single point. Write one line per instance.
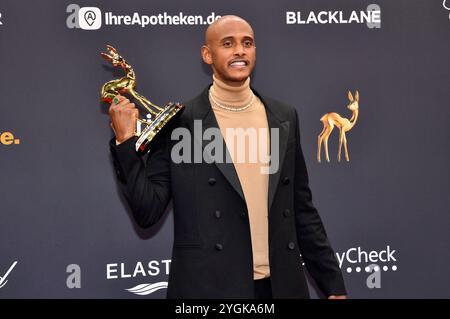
(206, 55)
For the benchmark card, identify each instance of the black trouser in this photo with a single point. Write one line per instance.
(263, 289)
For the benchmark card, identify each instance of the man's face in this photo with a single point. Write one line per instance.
(231, 51)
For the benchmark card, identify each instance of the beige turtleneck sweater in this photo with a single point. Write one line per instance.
(249, 162)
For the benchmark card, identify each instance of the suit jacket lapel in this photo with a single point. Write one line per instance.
(275, 122)
(204, 112)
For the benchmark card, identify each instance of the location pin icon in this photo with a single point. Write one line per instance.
(89, 17)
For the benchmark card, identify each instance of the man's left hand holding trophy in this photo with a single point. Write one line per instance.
(124, 115)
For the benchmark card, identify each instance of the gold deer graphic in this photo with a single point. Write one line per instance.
(125, 84)
(329, 120)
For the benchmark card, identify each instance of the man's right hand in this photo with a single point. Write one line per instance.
(123, 118)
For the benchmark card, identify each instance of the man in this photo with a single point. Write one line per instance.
(239, 232)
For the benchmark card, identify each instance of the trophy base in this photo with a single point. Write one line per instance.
(171, 111)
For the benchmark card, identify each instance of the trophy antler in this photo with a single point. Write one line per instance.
(114, 57)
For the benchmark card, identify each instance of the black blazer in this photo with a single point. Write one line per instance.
(212, 252)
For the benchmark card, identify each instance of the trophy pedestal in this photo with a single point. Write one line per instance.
(171, 111)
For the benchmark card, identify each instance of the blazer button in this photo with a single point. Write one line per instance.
(287, 213)
(219, 247)
(243, 214)
(217, 214)
(211, 181)
(291, 245)
(285, 180)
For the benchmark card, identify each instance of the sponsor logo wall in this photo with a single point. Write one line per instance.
(376, 72)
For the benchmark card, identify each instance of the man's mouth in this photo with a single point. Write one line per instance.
(238, 64)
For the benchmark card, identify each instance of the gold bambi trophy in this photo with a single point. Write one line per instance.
(157, 117)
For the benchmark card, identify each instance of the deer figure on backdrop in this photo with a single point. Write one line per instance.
(329, 120)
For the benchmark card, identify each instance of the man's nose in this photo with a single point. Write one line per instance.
(239, 50)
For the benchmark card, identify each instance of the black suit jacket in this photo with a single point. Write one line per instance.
(212, 252)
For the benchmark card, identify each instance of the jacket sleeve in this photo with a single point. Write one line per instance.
(318, 255)
(146, 186)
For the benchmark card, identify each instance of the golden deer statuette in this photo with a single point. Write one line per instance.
(329, 120)
(157, 116)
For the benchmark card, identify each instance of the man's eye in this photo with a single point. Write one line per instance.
(248, 43)
(227, 44)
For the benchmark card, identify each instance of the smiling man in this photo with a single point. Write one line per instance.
(239, 231)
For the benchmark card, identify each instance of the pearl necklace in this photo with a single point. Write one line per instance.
(229, 108)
